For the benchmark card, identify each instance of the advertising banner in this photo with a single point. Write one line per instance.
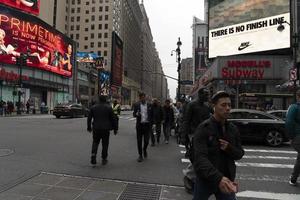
(86, 57)
(117, 60)
(46, 48)
(31, 6)
(239, 27)
(104, 83)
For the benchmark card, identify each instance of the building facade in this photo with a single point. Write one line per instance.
(186, 76)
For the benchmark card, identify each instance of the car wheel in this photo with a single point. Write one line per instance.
(57, 116)
(274, 138)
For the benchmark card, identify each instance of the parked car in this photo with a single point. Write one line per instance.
(259, 126)
(70, 109)
(278, 113)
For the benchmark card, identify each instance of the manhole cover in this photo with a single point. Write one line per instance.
(6, 152)
(140, 192)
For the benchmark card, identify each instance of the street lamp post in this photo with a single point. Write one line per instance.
(178, 60)
(21, 61)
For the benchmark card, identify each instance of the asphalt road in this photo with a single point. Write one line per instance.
(35, 144)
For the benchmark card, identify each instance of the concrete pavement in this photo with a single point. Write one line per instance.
(49, 186)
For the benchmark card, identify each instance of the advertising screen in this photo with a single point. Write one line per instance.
(47, 48)
(117, 60)
(86, 57)
(31, 6)
(247, 26)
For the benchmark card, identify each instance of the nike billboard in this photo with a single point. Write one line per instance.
(247, 26)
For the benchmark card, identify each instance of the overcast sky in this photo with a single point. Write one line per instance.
(170, 19)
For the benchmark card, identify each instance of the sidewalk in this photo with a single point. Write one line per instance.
(49, 186)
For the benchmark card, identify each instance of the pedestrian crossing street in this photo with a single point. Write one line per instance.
(263, 173)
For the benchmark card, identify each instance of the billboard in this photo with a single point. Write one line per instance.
(117, 60)
(86, 57)
(47, 48)
(30, 6)
(247, 26)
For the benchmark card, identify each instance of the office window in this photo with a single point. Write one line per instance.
(100, 26)
(100, 1)
(92, 44)
(99, 44)
(93, 17)
(78, 1)
(71, 36)
(85, 47)
(87, 3)
(93, 26)
(78, 10)
(73, 10)
(73, 1)
(72, 28)
(86, 29)
(105, 35)
(106, 17)
(100, 9)
(99, 53)
(105, 53)
(106, 26)
(77, 36)
(87, 12)
(100, 18)
(105, 44)
(78, 18)
(72, 19)
(106, 8)
(86, 20)
(77, 27)
(93, 9)
(86, 38)
(92, 35)
(99, 35)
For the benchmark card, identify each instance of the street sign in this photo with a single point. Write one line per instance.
(293, 74)
(186, 82)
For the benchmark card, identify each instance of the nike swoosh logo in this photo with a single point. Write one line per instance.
(243, 47)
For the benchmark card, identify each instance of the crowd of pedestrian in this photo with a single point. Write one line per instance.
(6, 108)
(213, 143)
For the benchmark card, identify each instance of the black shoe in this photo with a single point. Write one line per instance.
(140, 159)
(293, 182)
(104, 161)
(93, 160)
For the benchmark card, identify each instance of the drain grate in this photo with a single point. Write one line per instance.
(140, 192)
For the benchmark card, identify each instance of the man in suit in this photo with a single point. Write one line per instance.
(143, 113)
(101, 121)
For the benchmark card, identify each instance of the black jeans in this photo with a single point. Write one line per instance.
(158, 132)
(97, 136)
(142, 130)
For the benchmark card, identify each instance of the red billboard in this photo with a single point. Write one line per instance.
(47, 48)
(117, 60)
(31, 6)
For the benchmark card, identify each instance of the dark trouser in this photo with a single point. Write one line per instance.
(296, 145)
(203, 192)
(167, 130)
(97, 136)
(158, 132)
(143, 130)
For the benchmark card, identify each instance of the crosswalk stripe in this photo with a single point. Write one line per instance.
(268, 195)
(185, 160)
(270, 157)
(270, 151)
(264, 165)
(181, 146)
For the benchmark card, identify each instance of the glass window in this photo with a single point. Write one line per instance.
(105, 53)
(106, 17)
(87, 12)
(93, 26)
(105, 35)
(93, 9)
(100, 18)
(106, 26)
(78, 18)
(100, 9)
(92, 35)
(99, 35)
(106, 8)
(92, 44)
(77, 27)
(93, 17)
(77, 36)
(99, 44)
(78, 10)
(100, 26)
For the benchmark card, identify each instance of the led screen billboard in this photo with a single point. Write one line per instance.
(247, 26)
(31, 6)
(47, 48)
(117, 60)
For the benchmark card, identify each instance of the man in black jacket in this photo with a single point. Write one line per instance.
(143, 113)
(216, 145)
(157, 115)
(195, 113)
(104, 121)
